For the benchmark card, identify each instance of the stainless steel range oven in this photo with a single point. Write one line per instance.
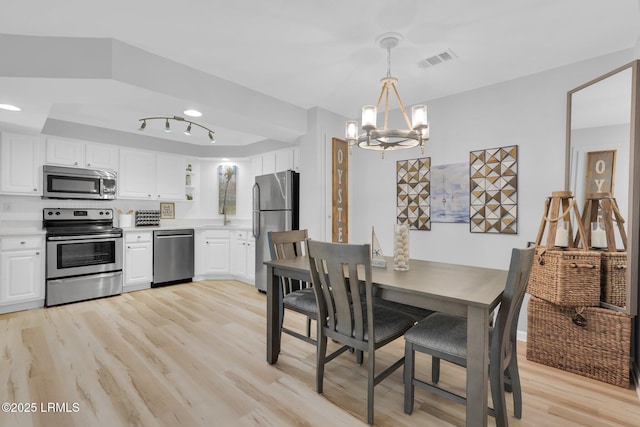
(84, 255)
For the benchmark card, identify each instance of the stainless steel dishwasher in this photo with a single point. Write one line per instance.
(172, 257)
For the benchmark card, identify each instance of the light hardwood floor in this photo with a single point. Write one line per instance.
(194, 355)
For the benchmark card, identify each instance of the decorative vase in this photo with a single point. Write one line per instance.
(401, 247)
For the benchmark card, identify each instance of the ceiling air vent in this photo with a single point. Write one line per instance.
(441, 57)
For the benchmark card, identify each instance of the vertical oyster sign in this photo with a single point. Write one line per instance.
(340, 191)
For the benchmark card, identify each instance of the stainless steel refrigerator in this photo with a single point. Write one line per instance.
(275, 208)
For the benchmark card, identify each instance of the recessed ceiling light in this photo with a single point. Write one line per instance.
(193, 113)
(10, 107)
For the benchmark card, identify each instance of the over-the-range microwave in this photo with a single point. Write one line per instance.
(76, 183)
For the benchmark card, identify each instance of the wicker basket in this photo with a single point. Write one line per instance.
(600, 349)
(570, 278)
(613, 281)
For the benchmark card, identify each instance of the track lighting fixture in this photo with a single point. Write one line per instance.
(167, 125)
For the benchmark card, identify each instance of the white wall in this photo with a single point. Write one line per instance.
(315, 172)
(529, 112)
(208, 176)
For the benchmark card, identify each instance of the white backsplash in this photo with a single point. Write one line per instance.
(27, 210)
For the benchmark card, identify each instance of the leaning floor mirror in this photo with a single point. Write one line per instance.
(603, 162)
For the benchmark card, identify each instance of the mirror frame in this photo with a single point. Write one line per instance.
(633, 220)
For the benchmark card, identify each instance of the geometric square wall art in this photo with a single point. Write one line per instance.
(413, 193)
(450, 193)
(493, 184)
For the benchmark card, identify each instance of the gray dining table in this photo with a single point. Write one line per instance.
(467, 291)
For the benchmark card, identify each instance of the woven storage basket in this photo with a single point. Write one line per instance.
(570, 278)
(613, 280)
(600, 349)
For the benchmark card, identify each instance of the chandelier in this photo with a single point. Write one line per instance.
(167, 126)
(417, 131)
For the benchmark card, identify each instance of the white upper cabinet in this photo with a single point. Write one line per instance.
(284, 160)
(170, 179)
(71, 152)
(65, 152)
(137, 175)
(151, 176)
(21, 158)
(276, 161)
(101, 156)
(268, 163)
(256, 166)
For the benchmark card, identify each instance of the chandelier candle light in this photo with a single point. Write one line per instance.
(417, 131)
(167, 126)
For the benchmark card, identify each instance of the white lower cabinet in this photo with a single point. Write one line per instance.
(138, 260)
(251, 259)
(243, 256)
(239, 253)
(212, 253)
(22, 281)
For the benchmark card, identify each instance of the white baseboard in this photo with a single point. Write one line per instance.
(522, 336)
(8, 308)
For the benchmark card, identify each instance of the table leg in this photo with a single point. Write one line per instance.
(477, 365)
(273, 316)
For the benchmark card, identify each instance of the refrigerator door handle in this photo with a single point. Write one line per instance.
(256, 224)
(255, 229)
(256, 197)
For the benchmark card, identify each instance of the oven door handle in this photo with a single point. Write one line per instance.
(80, 239)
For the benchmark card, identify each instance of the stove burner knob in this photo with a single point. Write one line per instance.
(49, 213)
(101, 213)
(57, 212)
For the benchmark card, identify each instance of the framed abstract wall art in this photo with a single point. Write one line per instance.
(412, 194)
(450, 193)
(493, 187)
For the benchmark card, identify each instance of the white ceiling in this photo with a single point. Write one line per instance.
(254, 66)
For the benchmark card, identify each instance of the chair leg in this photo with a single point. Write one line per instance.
(281, 310)
(409, 373)
(507, 381)
(435, 369)
(515, 385)
(308, 326)
(371, 372)
(496, 379)
(321, 352)
(359, 357)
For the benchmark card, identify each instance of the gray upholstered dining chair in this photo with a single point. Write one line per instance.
(297, 296)
(444, 337)
(344, 317)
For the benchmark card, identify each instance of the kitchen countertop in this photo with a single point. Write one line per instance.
(25, 228)
(21, 228)
(184, 226)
